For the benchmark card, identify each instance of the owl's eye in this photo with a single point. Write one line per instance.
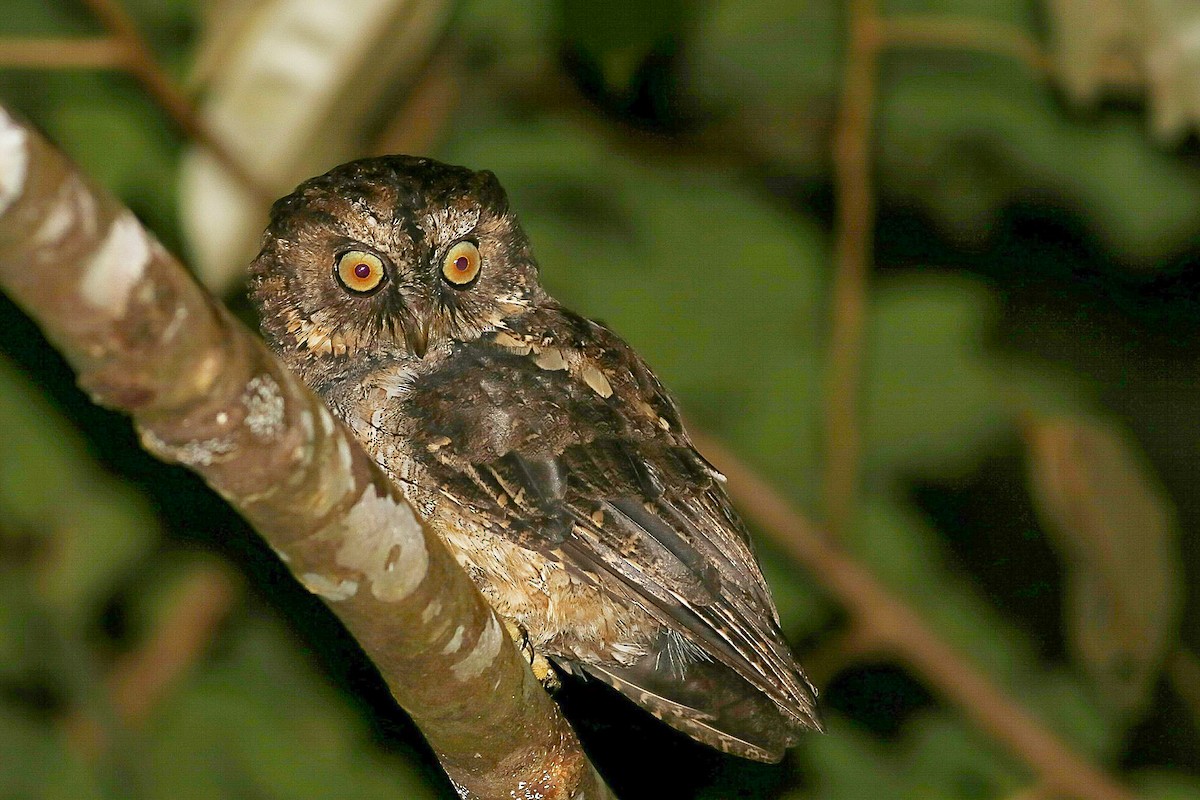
(461, 266)
(359, 272)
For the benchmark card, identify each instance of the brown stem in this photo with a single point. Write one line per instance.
(46, 53)
(904, 633)
(852, 257)
(141, 679)
(205, 392)
(145, 68)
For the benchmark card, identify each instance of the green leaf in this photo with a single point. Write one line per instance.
(771, 72)
(846, 763)
(1164, 785)
(931, 399)
(964, 162)
(803, 607)
(961, 135)
(897, 545)
(87, 529)
(618, 35)
(93, 113)
(259, 722)
(943, 756)
(38, 762)
(1116, 531)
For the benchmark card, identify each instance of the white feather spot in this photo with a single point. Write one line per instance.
(482, 654)
(116, 266)
(382, 539)
(595, 379)
(431, 611)
(14, 160)
(326, 420)
(551, 359)
(175, 325)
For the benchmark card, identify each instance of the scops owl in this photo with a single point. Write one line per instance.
(538, 445)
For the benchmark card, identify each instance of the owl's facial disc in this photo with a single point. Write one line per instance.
(460, 270)
(389, 258)
(362, 274)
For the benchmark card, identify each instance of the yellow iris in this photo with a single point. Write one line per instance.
(360, 272)
(462, 264)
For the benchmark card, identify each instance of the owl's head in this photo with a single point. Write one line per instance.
(391, 257)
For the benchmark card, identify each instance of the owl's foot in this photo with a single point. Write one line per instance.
(543, 670)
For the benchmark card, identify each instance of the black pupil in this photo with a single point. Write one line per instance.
(362, 271)
(462, 263)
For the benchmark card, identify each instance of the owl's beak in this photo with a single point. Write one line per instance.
(416, 335)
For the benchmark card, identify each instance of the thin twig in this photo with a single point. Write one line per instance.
(852, 257)
(45, 53)
(141, 680)
(905, 634)
(145, 68)
(972, 35)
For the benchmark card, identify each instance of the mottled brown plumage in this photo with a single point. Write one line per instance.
(536, 442)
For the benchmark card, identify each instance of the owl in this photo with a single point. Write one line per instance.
(535, 442)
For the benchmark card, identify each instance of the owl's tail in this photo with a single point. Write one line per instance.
(709, 702)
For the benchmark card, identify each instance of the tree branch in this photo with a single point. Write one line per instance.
(852, 259)
(968, 35)
(204, 392)
(62, 53)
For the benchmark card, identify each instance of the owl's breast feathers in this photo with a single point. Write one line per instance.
(551, 457)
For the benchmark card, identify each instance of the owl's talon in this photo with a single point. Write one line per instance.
(543, 670)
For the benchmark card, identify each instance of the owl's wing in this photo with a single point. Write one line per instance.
(582, 455)
(665, 533)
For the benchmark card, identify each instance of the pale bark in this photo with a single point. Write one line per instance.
(205, 392)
